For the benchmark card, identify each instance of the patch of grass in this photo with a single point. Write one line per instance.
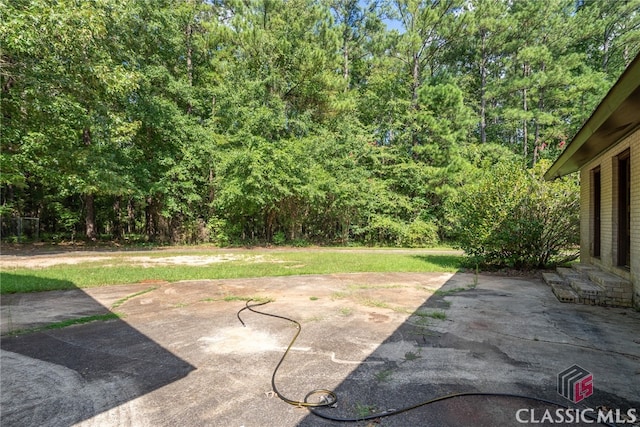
(363, 410)
(70, 322)
(439, 315)
(422, 331)
(86, 319)
(256, 298)
(24, 280)
(384, 375)
(122, 268)
(235, 298)
(446, 292)
(180, 305)
(128, 297)
(423, 322)
(346, 311)
(410, 355)
(339, 295)
(369, 302)
(314, 298)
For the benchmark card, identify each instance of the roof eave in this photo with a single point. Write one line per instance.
(615, 117)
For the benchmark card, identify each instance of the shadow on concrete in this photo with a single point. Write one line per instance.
(490, 337)
(88, 368)
(381, 341)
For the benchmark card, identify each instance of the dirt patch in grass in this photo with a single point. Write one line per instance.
(193, 260)
(48, 261)
(44, 261)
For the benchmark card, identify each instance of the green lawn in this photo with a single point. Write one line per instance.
(123, 268)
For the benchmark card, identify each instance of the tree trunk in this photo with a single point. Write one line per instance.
(415, 84)
(89, 199)
(415, 81)
(90, 217)
(149, 219)
(118, 228)
(537, 130)
(189, 33)
(131, 217)
(525, 136)
(212, 189)
(345, 57)
(483, 89)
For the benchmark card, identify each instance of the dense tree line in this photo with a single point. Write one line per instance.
(287, 120)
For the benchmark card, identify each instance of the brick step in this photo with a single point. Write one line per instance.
(610, 281)
(587, 284)
(568, 273)
(552, 278)
(586, 288)
(584, 269)
(564, 293)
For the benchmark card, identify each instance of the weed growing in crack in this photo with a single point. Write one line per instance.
(384, 375)
(180, 305)
(363, 410)
(439, 315)
(410, 355)
(128, 297)
(448, 292)
(70, 322)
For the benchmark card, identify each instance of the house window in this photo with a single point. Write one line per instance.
(596, 188)
(624, 209)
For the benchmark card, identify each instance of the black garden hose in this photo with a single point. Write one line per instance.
(328, 401)
(330, 398)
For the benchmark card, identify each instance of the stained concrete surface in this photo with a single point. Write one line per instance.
(180, 356)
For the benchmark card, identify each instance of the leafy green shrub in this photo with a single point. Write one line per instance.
(420, 233)
(218, 231)
(385, 230)
(512, 217)
(300, 243)
(279, 238)
(382, 230)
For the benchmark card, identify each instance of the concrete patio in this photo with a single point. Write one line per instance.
(180, 356)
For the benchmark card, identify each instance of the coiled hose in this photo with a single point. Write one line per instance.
(329, 397)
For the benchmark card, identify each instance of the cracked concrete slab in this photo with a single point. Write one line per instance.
(180, 356)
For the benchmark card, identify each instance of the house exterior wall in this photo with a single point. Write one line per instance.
(608, 167)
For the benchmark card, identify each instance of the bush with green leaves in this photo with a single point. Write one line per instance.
(420, 233)
(511, 217)
(384, 230)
